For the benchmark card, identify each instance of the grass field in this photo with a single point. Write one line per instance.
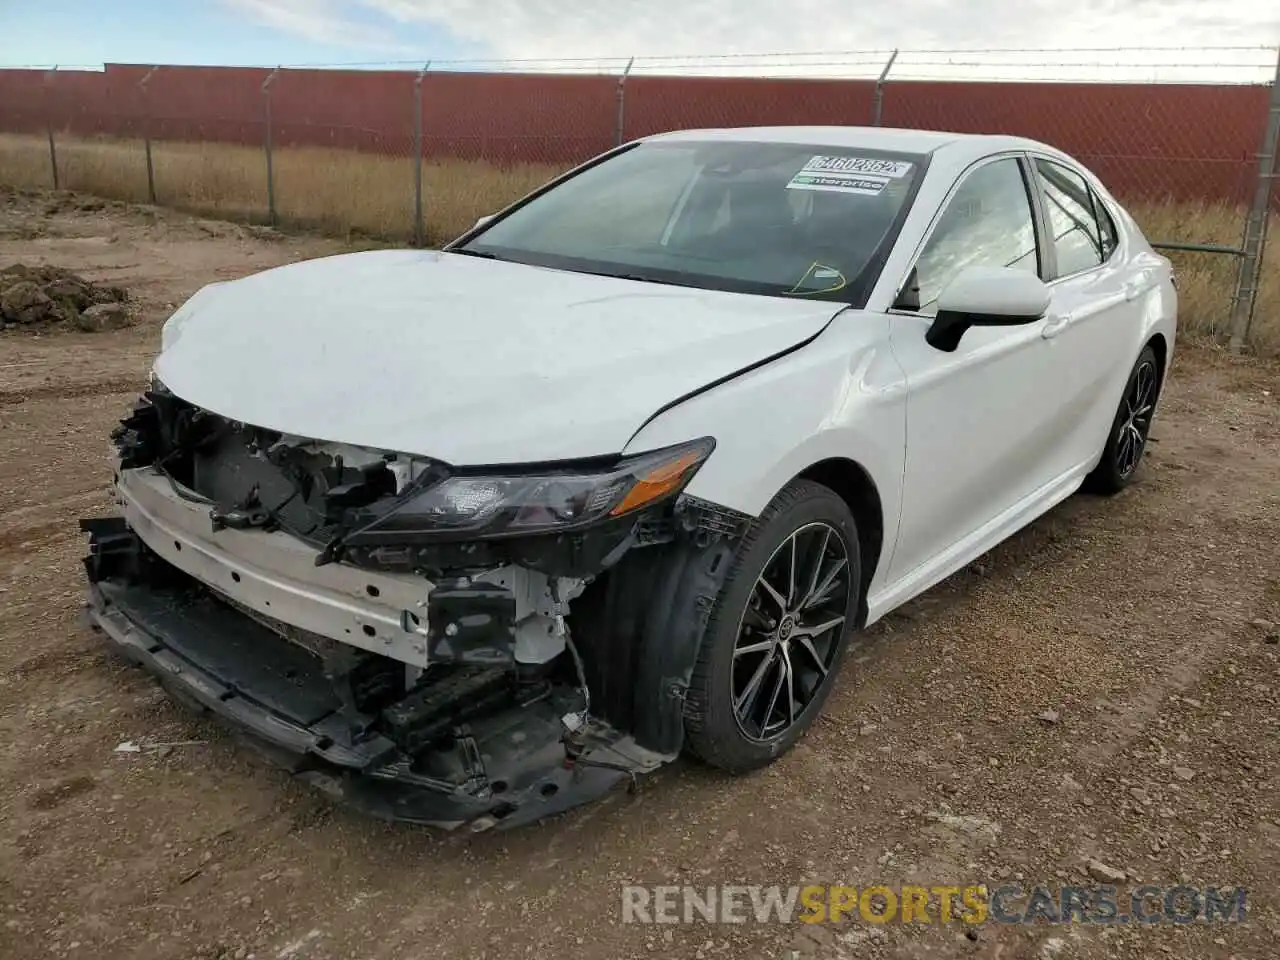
(345, 192)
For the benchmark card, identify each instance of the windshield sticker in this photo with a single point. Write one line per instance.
(894, 169)
(822, 279)
(864, 175)
(838, 183)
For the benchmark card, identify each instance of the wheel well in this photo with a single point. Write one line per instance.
(1160, 347)
(854, 486)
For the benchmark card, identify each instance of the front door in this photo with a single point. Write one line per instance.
(979, 419)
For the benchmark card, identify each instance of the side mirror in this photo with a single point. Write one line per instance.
(986, 297)
(482, 221)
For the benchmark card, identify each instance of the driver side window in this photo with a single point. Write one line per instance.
(987, 222)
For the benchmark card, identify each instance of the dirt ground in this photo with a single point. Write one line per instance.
(1105, 685)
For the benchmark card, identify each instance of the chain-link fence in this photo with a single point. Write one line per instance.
(1186, 138)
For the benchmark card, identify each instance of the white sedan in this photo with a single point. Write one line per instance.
(468, 536)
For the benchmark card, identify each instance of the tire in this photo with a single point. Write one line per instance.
(818, 524)
(1120, 456)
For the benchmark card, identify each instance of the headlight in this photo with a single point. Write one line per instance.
(521, 504)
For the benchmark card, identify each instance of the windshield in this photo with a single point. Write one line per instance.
(773, 218)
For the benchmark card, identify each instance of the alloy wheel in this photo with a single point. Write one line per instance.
(1139, 405)
(789, 632)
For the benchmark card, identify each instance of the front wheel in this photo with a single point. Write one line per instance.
(1127, 440)
(778, 632)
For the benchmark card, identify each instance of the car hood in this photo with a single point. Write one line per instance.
(466, 360)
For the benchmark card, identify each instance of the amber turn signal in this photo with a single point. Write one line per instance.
(658, 481)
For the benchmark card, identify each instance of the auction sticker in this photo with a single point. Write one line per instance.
(864, 175)
(894, 169)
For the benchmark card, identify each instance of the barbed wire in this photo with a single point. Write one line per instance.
(1153, 64)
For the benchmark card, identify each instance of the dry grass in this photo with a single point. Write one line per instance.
(1206, 281)
(342, 191)
(338, 191)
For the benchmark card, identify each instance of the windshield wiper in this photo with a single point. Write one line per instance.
(666, 282)
(482, 254)
(622, 276)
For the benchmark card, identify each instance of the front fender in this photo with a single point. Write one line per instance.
(840, 397)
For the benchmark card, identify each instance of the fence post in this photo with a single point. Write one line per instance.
(419, 227)
(622, 103)
(877, 103)
(146, 134)
(48, 122)
(1255, 225)
(271, 175)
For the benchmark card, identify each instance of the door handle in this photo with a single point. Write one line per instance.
(1055, 325)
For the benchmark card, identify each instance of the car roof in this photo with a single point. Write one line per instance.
(869, 138)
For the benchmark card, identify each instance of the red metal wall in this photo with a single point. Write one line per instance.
(1188, 141)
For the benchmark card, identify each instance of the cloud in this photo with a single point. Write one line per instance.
(606, 34)
(320, 21)
(622, 28)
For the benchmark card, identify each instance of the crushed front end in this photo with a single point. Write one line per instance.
(431, 644)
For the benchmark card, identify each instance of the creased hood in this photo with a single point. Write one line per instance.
(465, 360)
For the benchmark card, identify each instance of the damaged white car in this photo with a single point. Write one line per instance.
(470, 536)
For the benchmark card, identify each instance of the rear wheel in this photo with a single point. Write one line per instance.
(1127, 440)
(778, 632)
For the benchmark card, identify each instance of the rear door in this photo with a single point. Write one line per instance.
(1094, 316)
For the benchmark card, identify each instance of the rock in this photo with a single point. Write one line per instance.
(979, 828)
(24, 302)
(808, 940)
(1183, 773)
(868, 728)
(108, 294)
(63, 311)
(1263, 624)
(1048, 716)
(1100, 871)
(70, 292)
(37, 295)
(104, 316)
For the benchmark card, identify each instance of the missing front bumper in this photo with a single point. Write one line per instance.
(236, 629)
(475, 747)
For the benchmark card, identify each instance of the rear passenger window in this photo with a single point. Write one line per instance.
(1077, 236)
(1107, 226)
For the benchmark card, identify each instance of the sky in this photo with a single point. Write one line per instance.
(850, 38)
